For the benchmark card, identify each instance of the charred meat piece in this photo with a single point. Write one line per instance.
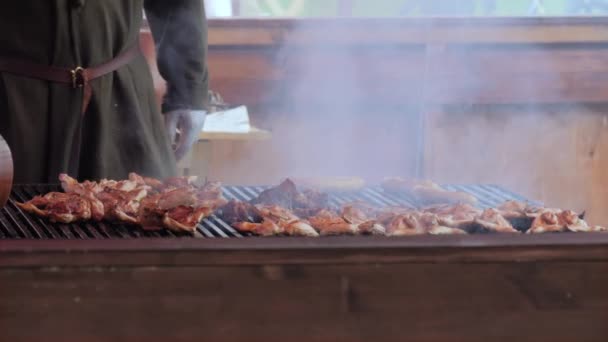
(426, 192)
(71, 185)
(236, 211)
(386, 215)
(433, 225)
(149, 216)
(177, 197)
(419, 223)
(185, 218)
(550, 220)
(405, 224)
(59, 207)
(178, 209)
(573, 222)
(547, 221)
(364, 216)
(265, 228)
(122, 206)
(519, 214)
(310, 201)
(97, 207)
(152, 183)
(210, 191)
(177, 203)
(461, 216)
(492, 221)
(282, 195)
(513, 209)
(286, 195)
(265, 220)
(289, 223)
(330, 223)
(179, 182)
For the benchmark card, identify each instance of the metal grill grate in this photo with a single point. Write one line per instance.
(15, 224)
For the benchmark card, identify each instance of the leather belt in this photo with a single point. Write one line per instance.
(77, 77)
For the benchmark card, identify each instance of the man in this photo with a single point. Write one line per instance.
(76, 95)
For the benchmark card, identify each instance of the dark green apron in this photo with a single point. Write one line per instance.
(121, 129)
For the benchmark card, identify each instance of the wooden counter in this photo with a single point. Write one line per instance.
(519, 102)
(450, 288)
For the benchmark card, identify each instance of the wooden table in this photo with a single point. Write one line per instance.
(204, 145)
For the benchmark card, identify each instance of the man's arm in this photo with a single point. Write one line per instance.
(180, 34)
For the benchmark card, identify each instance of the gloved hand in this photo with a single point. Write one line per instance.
(183, 127)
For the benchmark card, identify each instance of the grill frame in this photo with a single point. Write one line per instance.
(132, 248)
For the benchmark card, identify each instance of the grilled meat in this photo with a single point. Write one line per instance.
(180, 204)
(149, 216)
(265, 220)
(122, 206)
(513, 209)
(305, 204)
(180, 182)
(177, 203)
(491, 220)
(386, 215)
(288, 223)
(59, 207)
(328, 222)
(419, 223)
(547, 221)
(177, 197)
(282, 195)
(519, 214)
(210, 191)
(404, 225)
(185, 218)
(572, 222)
(461, 216)
(556, 220)
(182, 208)
(234, 212)
(364, 216)
(265, 228)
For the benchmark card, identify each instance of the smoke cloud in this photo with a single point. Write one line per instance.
(336, 121)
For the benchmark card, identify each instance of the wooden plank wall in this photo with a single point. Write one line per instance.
(518, 102)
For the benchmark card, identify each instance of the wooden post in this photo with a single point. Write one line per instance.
(236, 8)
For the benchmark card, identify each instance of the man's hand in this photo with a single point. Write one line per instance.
(183, 127)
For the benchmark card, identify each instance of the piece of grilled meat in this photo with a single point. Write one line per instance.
(286, 195)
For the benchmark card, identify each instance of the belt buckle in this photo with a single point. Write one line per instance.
(79, 78)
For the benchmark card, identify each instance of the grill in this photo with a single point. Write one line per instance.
(15, 224)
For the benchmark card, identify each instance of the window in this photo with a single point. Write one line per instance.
(392, 8)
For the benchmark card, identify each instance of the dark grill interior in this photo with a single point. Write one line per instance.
(14, 224)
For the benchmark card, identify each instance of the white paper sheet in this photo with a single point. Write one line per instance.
(234, 120)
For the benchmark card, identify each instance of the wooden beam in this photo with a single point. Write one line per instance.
(382, 31)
